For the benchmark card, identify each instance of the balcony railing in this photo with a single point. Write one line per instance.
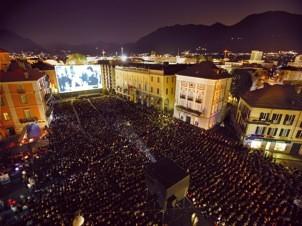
(20, 90)
(25, 120)
(189, 110)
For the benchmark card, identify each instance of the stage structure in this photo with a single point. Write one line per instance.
(167, 181)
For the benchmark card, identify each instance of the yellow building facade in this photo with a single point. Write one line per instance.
(271, 127)
(149, 86)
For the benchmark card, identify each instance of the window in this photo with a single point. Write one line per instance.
(284, 132)
(157, 91)
(260, 130)
(167, 80)
(289, 119)
(151, 89)
(20, 87)
(1, 101)
(139, 86)
(299, 134)
(167, 91)
(151, 78)
(6, 116)
(301, 124)
(276, 118)
(201, 86)
(263, 116)
(199, 97)
(27, 114)
(158, 79)
(172, 90)
(182, 96)
(145, 87)
(267, 146)
(190, 95)
(198, 100)
(23, 99)
(280, 146)
(272, 131)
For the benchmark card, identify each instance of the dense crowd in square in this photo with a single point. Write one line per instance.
(94, 168)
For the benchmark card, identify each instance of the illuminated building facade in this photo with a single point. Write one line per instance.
(21, 100)
(202, 92)
(4, 60)
(108, 74)
(291, 74)
(297, 62)
(256, 57)
(271, 119)
(148, 84)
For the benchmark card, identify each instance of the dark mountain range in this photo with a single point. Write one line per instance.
(269, 31)
(13, 42)
(92, 48)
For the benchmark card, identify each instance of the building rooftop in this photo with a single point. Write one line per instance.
(276, 96)
(20, 75)
(3, 51)
(43, 66)
(166, 172)
(168, 69)
(291, 68)
(207, 70)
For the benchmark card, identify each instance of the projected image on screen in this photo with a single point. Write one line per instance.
(73, 78)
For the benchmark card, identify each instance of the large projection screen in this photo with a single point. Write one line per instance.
(75, 78)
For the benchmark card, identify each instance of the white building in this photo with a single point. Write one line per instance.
(201, 95)
(256, 57)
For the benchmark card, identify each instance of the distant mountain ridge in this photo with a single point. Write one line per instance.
(268, 31)
(13, 42)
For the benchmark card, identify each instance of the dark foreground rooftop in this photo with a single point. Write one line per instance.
(166, 172)
(276, 96)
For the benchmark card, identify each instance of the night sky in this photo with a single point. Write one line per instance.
(84, 21)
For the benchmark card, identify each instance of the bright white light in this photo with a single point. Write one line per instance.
(256, 144)
(194, 219)
(17, 169)
(124, 58)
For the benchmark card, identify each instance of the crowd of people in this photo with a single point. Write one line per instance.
(94, 166)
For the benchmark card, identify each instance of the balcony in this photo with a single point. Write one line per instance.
(256, 121)
(190, 111)
(25, 120)
(20, 90)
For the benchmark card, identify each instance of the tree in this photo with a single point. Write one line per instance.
(76, 58)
